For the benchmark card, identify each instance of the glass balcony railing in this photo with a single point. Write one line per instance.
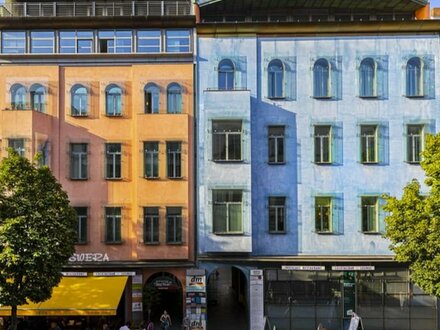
(94, 9)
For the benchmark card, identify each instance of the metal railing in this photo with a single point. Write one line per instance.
(101, 9)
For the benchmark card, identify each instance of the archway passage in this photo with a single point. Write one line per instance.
(227, 299)
(163, 291)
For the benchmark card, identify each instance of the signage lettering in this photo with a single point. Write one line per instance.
(89, 257)
(352, 268)
(313, 268)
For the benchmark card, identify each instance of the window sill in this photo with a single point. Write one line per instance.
(276, 163)
(322, 97)
(369, 97)
(114, 243)
(174, 243)
(371, 233)
(277, 98)
(229, 234)
(152, 243)
(151, 178)
(80, 116)
(415, 96)
(175, 178)
(323, 163)
(412, 163)
(113, 179)
(370, 163)
(277, 232)
(220, 161)
(78, 179)
(114, 116)
(324, 232)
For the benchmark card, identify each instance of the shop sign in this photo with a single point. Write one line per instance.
(310, 268)
(114, 273)
(353, 268)
(165, 283)
(136, 293)
(195, 283)
(136, 307)
(74, 274)
(89, 257)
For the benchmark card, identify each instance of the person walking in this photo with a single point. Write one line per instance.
(165, 321)
(126, 326)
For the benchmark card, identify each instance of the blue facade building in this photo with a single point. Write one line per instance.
(302, 129)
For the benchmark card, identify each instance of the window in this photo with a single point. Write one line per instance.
(177, 41)
(367, 78)
(276, 145)
(322, 79)
(227, 211)
(81, 225)
(414, 144)
(174, 159)
(174, 98)
(323, 144)
(42, 42)
(369, 144)
(18, 97)
(148, 41)
(113, 225)
(79, 98)
(80, 42)
(151, 161)
(226, 75)
(118, 41)
(43, 150)
(38, 98)
(174, 225)
(113, 160)
(323, 214)
(18, 146)
(13, 42)
(113, 100)
(275, 80)
(277, 214)
(370, 214)
(78, 161)
(414, 77)
(226, 140)
(151, 94)
(151, 225)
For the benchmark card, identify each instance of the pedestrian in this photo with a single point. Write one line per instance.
(150, 325)
(185, 323)
(126, 326)
(54, 326)
(165, 321)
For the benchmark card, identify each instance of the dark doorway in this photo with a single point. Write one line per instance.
(227, 299)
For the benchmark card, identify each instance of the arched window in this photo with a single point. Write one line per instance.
(174, 98)
(79, 104)
(113, 100)
(321, 79)
(151, 94)
(367, 78)
(226, 74)
(414, 77)
(275, 80)
(38, 98)
(18, 97)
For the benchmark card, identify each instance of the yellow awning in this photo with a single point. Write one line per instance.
(78, 296)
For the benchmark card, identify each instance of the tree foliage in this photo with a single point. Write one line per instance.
(413, 225)
(37, 231)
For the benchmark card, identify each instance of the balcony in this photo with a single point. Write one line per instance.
(96, 9)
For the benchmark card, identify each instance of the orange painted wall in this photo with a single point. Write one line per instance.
(134, 127)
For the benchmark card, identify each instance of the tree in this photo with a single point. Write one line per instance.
(37, 232)
(413, 225)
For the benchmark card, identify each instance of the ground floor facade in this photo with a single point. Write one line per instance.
(300, 295)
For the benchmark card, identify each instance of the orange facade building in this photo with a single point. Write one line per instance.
(115, 125)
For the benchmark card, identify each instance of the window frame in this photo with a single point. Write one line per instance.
(113, 160)
(76, 38)
(82, 223)
(174, 236)
(151, 226)
(322, 74)
(151, 103)
(83, 111)
(364, 140)
(319, 214)
(414, 72)
(322, 144)
(21, 148)
(274, 79)
(139, 40)
(274, 139)
(181, 47)
(13, 93)
(174, 98)
(411, 156)
(226, 71)
(79, 158)
(49, 49)
(112, 45)
(277, 214)
(154, 155)
(365, 222)
(16, 40)
(216, 135)
(216, 204)
(39, 92)
(113, 214)
(368, 89)
(174, 159)
(116, 98)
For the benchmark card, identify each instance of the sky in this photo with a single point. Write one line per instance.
(435, 3)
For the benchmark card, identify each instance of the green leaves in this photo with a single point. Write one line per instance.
(413, 226)
(37, 231)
